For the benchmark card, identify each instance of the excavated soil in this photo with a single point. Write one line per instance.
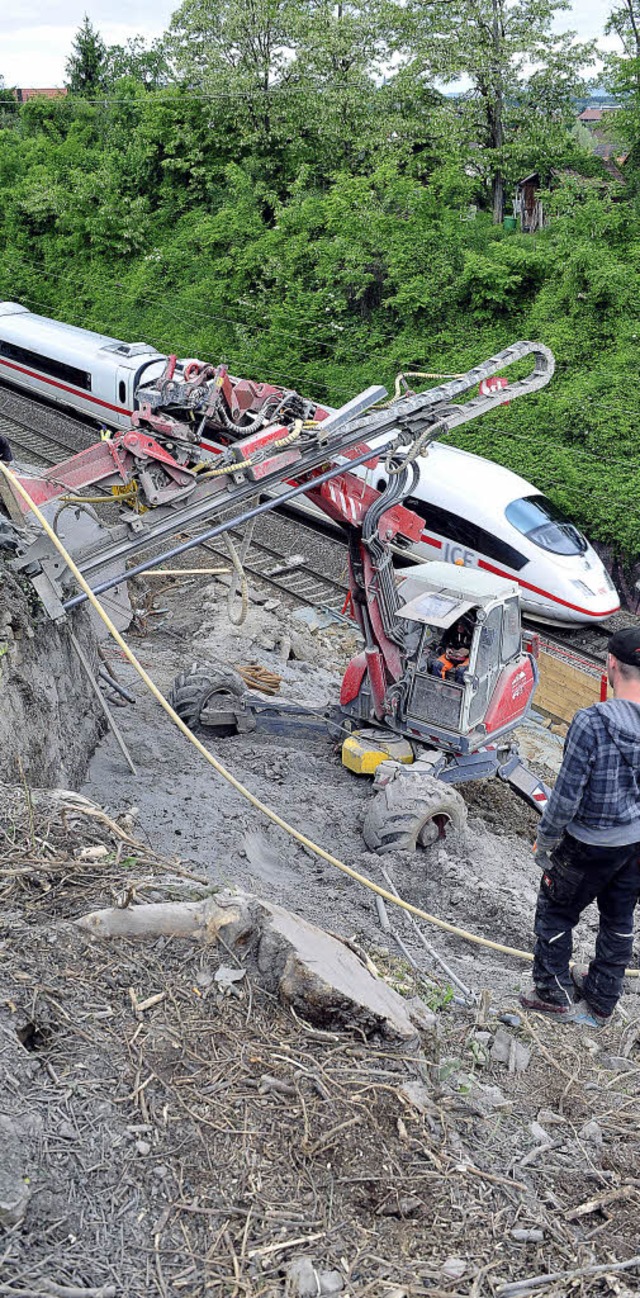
(50, 719)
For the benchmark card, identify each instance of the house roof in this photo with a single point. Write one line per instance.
(23, 93)
(591, 115)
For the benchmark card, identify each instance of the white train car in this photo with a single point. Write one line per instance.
(475, 512)
(90, 372)
(479, 514)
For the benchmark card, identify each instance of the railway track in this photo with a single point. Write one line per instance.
(38, 434)
(587, 643)
(291, 574)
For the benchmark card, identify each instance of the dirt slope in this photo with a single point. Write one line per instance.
(199, 1145)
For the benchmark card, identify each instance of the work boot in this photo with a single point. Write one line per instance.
(532, 999)
(579, 977)
(577, 1012)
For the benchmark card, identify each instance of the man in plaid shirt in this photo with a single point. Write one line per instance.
(589, 848)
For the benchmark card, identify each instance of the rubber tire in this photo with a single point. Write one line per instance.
(400, 816)
(192, 690)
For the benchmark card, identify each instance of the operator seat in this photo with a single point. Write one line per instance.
(451, 658)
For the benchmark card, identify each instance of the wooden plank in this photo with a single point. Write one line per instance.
(564, 688)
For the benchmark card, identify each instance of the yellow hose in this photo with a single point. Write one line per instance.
(231, 779)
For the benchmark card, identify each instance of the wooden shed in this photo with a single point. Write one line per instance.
(527, 206)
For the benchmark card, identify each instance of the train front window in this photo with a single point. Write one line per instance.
(543, 523)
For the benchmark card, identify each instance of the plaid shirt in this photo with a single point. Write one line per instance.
(597, 793)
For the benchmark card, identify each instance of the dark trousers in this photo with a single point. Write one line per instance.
(578, 874)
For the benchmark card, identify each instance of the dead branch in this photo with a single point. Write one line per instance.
(162, 919)
(49, 1289)
(537, 1281)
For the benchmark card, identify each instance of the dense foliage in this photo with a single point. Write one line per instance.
(255, 191)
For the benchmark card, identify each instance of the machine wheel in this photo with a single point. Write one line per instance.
(192, 690)
(411, 812)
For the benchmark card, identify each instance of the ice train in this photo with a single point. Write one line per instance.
(476, 513)
(479, 514)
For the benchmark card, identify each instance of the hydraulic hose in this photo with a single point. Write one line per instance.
(231, 779)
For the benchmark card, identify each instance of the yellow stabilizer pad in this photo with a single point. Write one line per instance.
(364, 750)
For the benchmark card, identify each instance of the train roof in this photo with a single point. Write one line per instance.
(486, 483)
(449, 476)
(63, 341)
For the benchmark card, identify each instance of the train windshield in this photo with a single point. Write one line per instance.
(543, 523)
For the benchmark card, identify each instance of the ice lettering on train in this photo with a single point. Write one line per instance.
(452, 553)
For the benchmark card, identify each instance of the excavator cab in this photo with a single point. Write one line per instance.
(466, 679)
(466, 683)
(468, 675)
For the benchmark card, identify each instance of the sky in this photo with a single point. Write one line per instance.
(35, 39)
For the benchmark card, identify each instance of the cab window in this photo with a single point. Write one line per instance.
(489, 646)
(511, 638)
(545, 525)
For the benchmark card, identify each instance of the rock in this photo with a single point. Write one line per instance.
(418, 1095)
(143, 1148)
(454, 1268)
(270, 605)
(592, 1046)
(539, 1134)
(331, 1282)
(303, 1280)
(549, 1118)
(488, 1099)
(420, 1014)
(592, 1133)
(96, 853)
(14, 1190)
(508, 1050)
(616, 1063)
(407, 1205)
(527, 1236)
(227, 975)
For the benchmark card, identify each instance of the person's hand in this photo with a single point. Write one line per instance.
(542, 848)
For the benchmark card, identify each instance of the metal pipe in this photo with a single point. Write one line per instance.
(115, 685)
(103, 704)
(220, 528)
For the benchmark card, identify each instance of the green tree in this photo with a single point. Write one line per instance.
(86, 65)
(340, 54)
(8, 104)
(147, 64)
(624, 22)
(623, 71)
(494, 44)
